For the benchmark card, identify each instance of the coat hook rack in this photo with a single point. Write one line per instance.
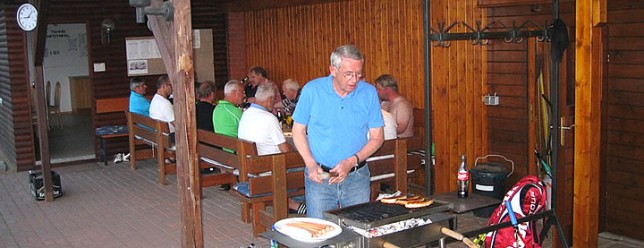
(443, 32)
(478, 33)
(481, 35)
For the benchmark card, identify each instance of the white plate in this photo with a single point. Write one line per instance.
(300, 234)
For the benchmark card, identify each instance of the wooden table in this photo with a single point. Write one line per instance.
(463, 205)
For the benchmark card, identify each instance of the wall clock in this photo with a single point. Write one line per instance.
(27, 17)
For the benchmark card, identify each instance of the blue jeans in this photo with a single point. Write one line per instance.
(322, 197)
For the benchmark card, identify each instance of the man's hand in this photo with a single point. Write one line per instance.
(342, 170)
(315, 173)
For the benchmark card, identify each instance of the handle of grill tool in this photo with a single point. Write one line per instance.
(459, 237)
(389, 245)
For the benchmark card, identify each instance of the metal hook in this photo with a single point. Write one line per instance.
(477, 38)
(442, 34)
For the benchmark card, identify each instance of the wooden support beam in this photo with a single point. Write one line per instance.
(590, 15)
(174, 40)
(43, 126)
(188, 177)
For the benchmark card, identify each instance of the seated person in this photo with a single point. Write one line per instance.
(390, 125)
(205, 105)
(256, 76)
(396, 104)
(225, 117)
(259, 125)
(160, 107)
(291, 91)
(138, 103)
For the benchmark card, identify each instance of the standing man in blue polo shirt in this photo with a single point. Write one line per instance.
(333, 117)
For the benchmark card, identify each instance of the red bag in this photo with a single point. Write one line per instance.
(527, 197)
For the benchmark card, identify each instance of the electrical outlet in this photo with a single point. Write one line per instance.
(491, 100)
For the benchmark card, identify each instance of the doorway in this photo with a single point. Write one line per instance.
(66, 71)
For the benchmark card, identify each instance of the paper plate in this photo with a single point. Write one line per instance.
(292, 227)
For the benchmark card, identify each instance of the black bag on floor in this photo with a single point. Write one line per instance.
(37, 185)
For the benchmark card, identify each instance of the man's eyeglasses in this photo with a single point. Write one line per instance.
(349, 74)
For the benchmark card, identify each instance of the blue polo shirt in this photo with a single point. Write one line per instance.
(139, 104)
(337, 127)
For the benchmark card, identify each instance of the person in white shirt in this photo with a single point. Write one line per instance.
(258, 124)
(390, 125)
(160, 107)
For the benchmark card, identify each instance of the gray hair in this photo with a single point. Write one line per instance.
(264, 92)
(387, 80)
(163, 79)
(135, 82)
(291, 84)
(231, 86)
(345, 51)
(205, 88)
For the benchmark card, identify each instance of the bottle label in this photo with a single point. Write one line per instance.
(463, 175)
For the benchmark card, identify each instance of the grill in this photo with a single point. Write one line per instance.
(374, 214)
(379, 223)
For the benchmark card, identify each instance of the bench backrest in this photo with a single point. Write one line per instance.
(292, 164)
(226, 150)
(419, 122)
(152, 131)
(112, 105)
(286, 180)
(391, 157)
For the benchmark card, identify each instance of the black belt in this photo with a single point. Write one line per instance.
(355, 168)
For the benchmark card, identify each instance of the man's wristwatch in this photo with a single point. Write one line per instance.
(357, 160)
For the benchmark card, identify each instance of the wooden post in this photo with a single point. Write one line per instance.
(590, 15)
(41, 112)
(188, 176)
(174, 40)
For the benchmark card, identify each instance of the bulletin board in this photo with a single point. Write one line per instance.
(143, 57)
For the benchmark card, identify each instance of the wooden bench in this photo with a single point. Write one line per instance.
(155, 133)
(278, 175)
(107, 106)
(226, 154)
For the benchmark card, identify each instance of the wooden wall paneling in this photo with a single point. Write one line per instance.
(456, 97)
(439, 77)
(454, 144)
(322, 27)
(15, 113)
(623, 111)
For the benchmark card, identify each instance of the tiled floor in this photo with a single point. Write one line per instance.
(75, 141)
(113, 206)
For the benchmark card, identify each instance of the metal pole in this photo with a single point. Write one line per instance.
(429, 180)
(554, 119)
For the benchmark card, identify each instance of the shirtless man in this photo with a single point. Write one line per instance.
(396, 104)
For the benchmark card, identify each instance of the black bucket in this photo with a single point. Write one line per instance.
(489, 179)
